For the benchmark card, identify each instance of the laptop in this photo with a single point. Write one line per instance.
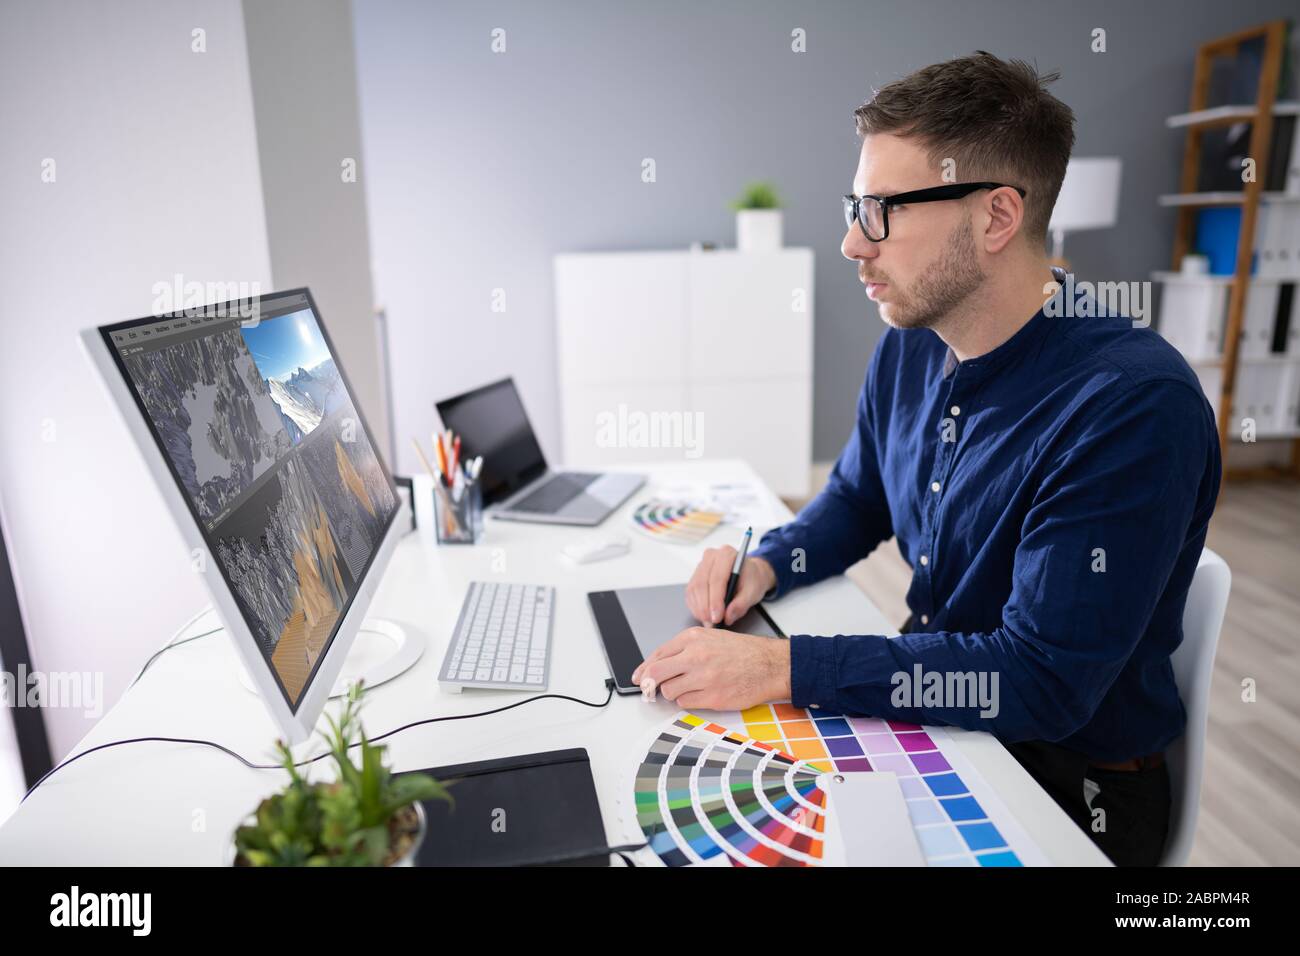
(517, 485)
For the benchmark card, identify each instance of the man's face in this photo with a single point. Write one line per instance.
(930, 262)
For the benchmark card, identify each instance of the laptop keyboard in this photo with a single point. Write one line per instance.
(555, 493)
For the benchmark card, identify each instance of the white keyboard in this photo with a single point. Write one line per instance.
(502, 640)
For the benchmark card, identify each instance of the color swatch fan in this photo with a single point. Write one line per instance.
(675, 522)
(704, 794)
(757, 796)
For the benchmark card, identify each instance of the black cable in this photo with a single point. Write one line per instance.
(609, 685)
(619, 851)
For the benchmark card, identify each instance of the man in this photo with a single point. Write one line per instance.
(1049, 474)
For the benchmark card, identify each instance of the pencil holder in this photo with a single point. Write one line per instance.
(458, 520)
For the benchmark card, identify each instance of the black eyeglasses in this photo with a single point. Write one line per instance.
(871, 213)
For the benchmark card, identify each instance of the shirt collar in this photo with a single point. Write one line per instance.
(1025, 335)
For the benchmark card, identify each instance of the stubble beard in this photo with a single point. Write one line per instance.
(939, 291)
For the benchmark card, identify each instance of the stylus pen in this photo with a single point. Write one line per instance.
(735, 573)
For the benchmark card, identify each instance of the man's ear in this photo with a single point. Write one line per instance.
(1005, 210)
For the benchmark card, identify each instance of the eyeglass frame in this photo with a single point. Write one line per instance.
(930, 194)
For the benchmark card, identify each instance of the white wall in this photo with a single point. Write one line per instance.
(157, 174)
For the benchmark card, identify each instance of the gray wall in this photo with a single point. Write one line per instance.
(482, 166)
(300, 58)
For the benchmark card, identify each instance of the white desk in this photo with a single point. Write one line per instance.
(173, 804)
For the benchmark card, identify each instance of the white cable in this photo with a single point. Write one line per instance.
(176, 636)
(207, 609)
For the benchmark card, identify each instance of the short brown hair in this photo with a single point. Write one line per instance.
(994, 118)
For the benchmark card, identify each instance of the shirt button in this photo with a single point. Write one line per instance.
(924, 560)
(925, 619)
(934, 486)
(956, 411)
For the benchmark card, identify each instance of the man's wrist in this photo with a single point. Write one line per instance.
(780, 669)
(767, 574)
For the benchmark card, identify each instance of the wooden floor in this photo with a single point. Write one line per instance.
(1250, 801)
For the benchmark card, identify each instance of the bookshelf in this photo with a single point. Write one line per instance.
(1224, 372)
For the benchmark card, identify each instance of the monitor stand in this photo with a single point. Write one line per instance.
(381, 651)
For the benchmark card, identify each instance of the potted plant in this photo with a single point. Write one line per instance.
(367, 817)
(758, 218)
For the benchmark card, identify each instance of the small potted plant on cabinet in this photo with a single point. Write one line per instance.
(758, 218)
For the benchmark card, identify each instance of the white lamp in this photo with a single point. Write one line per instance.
(1089, 199)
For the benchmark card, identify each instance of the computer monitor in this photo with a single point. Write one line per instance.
(246, 419)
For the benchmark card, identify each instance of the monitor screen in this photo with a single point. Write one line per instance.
(259, 429)
(491, 422)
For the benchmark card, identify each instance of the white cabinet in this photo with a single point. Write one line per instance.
(681, 355)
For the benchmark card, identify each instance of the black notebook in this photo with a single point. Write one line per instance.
(531, 810)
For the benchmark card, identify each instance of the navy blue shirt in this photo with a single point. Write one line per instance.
(1052, 497)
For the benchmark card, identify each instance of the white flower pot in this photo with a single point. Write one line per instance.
(758, 230)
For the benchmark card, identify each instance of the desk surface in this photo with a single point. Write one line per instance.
(177, 804)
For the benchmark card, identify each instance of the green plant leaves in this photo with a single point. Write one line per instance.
(345, 823)
(758, 195)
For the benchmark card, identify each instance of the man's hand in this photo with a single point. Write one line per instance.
(707, 587)
(719, 670)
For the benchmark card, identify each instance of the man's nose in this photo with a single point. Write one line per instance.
(857, 246)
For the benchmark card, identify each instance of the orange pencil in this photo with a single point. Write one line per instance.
(442, 456)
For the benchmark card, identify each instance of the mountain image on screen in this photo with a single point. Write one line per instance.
(297, 369)
(214, 414)
(306, 396)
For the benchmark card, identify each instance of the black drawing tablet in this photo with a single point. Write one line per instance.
(531, 810)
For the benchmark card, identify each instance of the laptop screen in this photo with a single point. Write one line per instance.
(491, 422)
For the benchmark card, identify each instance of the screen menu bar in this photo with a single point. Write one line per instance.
(191, 324)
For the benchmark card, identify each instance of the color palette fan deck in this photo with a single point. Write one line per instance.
(709, 794)
(677, 523)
